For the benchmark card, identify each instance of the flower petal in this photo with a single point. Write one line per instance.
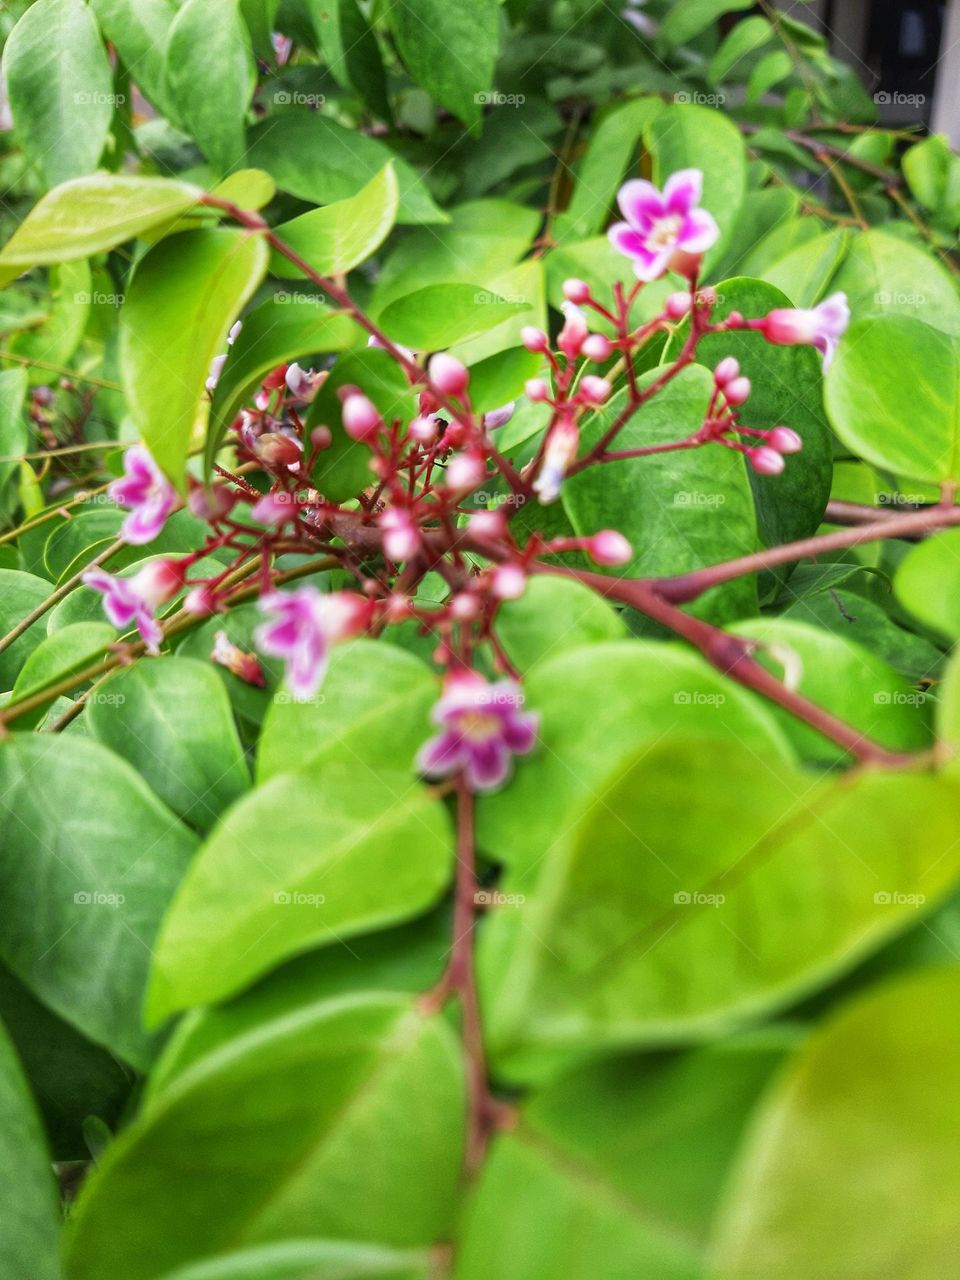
(640, 203)
(627, 240)
(699, 232)
(442, 754)
(487, 765)
(682, 191)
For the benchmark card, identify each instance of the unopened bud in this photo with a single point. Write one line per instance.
(361, 418)
(766, 461)
(784, 440)
(609, 547)
(677, 305)
(597, 348)
(509, 582)
(447, 374)
(575, 290)
(534, 339)
(594, 390)
(737, 391)
(536, 390)
(726, 371)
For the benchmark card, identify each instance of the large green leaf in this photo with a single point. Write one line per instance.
(553, 615)
(627, 1158)
(185, 295)
(307, 858)
(845, 678)
(450, 50)
(61, 654)
(172, 721)
(685, 136)
(30, 1216)
(850, 1166)
(434, 318)
(344, 1121)
(677, 510)
(687, 18)
(87, 839)
(337, 238)
(89, 215)
(883, 274)
(927, 583)
(314, 1260)
(139, 30)
(316, 159)
(60, 88)
(20, 594)
(598, 705)
(892, 397)
(351, 51)
(211, 74)
(649, 922)
(374, 714)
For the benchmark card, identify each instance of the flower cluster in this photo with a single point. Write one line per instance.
(441, 497)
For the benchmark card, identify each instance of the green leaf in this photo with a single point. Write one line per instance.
(842, 676)
(139, 30)
(288, 326)
(763, 214)
(787, 388)
(931, 171)
(55, 341)
(356, 1129)
(883, 274)
(450, 50)
(552, 616)
(20, 594)
(104, 878)
(804, 274)
(869, 1104)
(374, 713)
(60, 655)
(307, 858)
(247, 188)
(89, 215)
(185, 295)
(434, 318)
(313, 1260)
(679, 509)
(684, 136)
(892, 398)
(30, 1217)
(171, 720)
(745, 38)
(316, 159)
(649, 923)
(339, 237)
(211, 75)
(687, 18)
(620, 1154)
(351, 51)
(14, 438)
(60, 88)
(598, 705)
(927, 583)
(768, 72)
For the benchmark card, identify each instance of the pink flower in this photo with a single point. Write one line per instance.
(136, 600)
(560, 452)
(658, 226)
(401, 539)
(147, 492)
(821, 326)
(245, 666)
(481, 728)
(306, 624)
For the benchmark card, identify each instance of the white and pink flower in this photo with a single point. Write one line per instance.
(821, 326)
(135, 600)
(663, 228)
(305, 625)
(482, 726)
(147, 492)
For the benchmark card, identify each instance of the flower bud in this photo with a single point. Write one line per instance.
(277, 450)
(594, 390)
(464, 606)
(400, 537)
(536, 390)
(487, 524)
(597, 348)
(202, 601)
(499, 417)
(677, 305)
(766, 461)
(321, 438)
(424, 429)
(361, 418)
(210, 504)
(726, 371)
(509, 582)
(574, 332)
(737, 391)
(609, 547)
(575, 290)
(274, 508)
(465, 472)
(158, 580)
(784, 440)
(534, 339)
(245, 666)
(447, 374)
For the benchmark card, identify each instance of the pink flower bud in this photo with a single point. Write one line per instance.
(487, 524)
(784, 440)
(212, 503)
(677, 305)
(726, 371)
(575, 290)
(609, 547)
(597, 348)
(158, 580)
(202, 601)
(321, 438)
(737, 391)
(423, 429)
(274, 508)
(277, 450)
(536, 390)
(509, 582)
(465, 472)
(465, 606)
(574, 332)
(766, 461)
(534, 339)
(400, 537)
(594, 390)
(361, 418)
(447, 374)
(245, 666)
